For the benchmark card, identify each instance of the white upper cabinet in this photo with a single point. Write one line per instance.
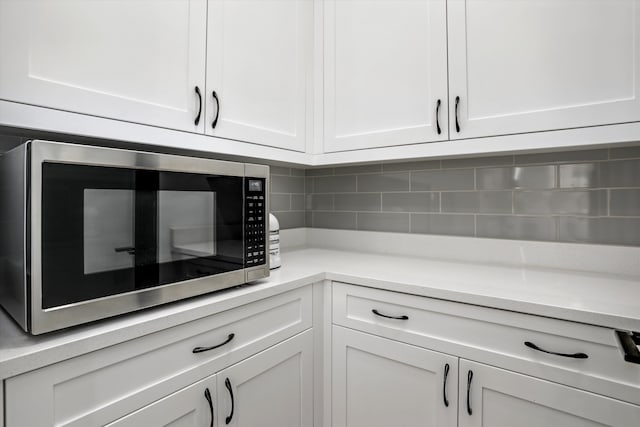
(535, 65)
(385, 71)
(138, 61)
(258, 66)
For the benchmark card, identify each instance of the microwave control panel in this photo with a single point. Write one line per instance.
(255, 223)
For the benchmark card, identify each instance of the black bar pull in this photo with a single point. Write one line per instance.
(377, 313)
(203, 349)
(469, 378)
(438, 117)
(215, 119)
(572, 355)
(444, 385)
(197, 120)
(207, 395)
(457, 122)
(630, 342)
(128, 249)
(227, 384)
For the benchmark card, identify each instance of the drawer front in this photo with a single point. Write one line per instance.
(495, 337)
(102, 386)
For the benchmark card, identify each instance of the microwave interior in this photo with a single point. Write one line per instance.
(109, 230)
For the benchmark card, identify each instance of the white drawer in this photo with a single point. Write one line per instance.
(495, 337)
(102, 386)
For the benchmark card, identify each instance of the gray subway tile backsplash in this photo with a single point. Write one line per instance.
(620, 173)
(398, 181)
(334, 184)
(589, 196)
(358, 202)
(339, 220)
(516, 227)
(567, 156)
(624, 202)
(455, 225)
(615, 231)
(570, 202)
(411, 202)
(477, 161)
(519, 177)
(287, 184)
(442, 180)
(395, 222)
(581, 175)
(477, 202)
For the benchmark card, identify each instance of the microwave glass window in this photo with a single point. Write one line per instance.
(108, 224)
(108, 231)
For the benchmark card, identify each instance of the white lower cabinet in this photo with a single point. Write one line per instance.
(192, 406)
(379, 383)
(272, 388)
(492, 397)
(389, 366)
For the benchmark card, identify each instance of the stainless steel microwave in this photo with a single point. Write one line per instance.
(89, 232)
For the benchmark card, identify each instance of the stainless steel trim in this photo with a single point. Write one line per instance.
(102, 308)
(45, 151)
(74, 314)
(13, 234)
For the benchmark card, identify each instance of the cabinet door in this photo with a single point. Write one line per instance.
(535, 65)
(138, 61)
(379, 382)
(192, 406)
(272, 388)
(385, 71)
(492, 397)
(258, 63)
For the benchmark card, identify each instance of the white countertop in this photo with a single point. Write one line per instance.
(599, 299)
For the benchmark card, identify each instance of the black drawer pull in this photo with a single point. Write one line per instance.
(215, 119)
(630, 342)
(207, 395)
(377, 313)
(227, 384)
(469, 378)
(574, 355)
(457, 122)
(203, 349)
(444, 386)
(197, 120)
(438, 117)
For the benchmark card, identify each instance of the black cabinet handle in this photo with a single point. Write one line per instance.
(574, 355)
(377, 313)
(203, 349)
(444, 385)
(469, 378)
(207, 395)
(630, 342)
(128, 249)
(457, 122)
(438, 117)
(197, 120)
(227, 384)
(215, 119)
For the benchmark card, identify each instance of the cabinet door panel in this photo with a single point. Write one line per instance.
(185, 408)
(534, 65)
(258, 61)
(138, 61)
(272, 388)
(385, 69)
(501, 398)
(379, 382)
